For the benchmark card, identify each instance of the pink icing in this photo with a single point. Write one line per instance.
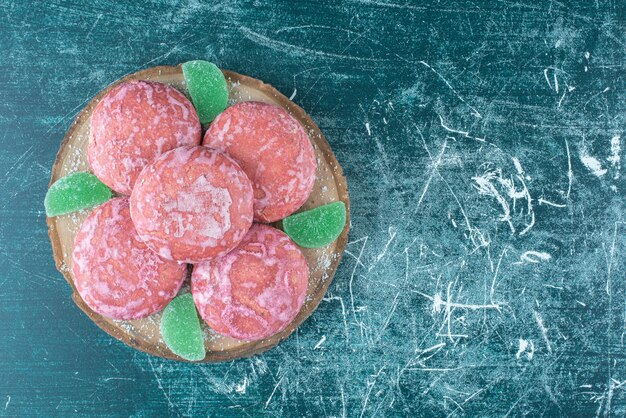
(132, 125)
(275, 152)
(254, 291)
(114, 272)
(192, 204)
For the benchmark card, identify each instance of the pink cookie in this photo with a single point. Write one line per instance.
(132, 125)
(114, 272)
(254, 291)
(275, 152)
(192, 204)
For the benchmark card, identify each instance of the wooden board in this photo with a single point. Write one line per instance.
(144, 334)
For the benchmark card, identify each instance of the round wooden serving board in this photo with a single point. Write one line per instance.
(144, 334)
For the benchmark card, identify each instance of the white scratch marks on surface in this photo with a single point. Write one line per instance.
(19, 162)
(394, 305)
(545, 74)
(429, 349)
(615, 158)
(610, 258)
(570, 172)
(343, 312)
(367, 128)
(518, 166)
(448, 306)
(94, 25)
(392, 231)
(556, 83)
(615, 384)
(543, 201)
(466, 134)
(273, 392)
(6, 405)
(160, 384)
(523, 345)
(295, 90)
(475, 235)
(370, 386)
(535, 257)
(433, 170)
(606, 89)
(356, 265)
(160, 57)
(118, 378)
(320, 342)
(521, 175)
(283, 46)
(593, 164)
(606, 397)
(438, 302)
(241, 388)
(485, 187)
(569, 90)
(495, 276)
(543, 329)
(561, 99)
(475, 112)
(392, 5)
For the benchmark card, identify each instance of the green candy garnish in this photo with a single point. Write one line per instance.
(180, 328)
(207, 88)
(316, 227)
(75, 192)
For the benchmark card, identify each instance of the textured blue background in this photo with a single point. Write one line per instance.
(483, 144)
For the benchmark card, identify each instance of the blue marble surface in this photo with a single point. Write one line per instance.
(483, 143)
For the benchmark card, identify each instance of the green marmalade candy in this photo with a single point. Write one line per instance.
(207, 88)
(75, 192)
(316, 227)
(180, 328)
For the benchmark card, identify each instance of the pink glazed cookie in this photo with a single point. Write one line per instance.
(192, 204)
(254, 291)
(132, 125)
(115, 273)
(273, 149)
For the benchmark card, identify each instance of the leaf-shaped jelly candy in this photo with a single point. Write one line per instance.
(180, 328)
(316, 227)
(207, 87)
(75, 192)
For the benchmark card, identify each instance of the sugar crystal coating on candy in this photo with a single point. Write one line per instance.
(207, 88)
(75, 192)
(191, 204)
(316, 227)
(114, 272)
(254, 291)
(133, 124)
(275, 152)
(180, 328)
